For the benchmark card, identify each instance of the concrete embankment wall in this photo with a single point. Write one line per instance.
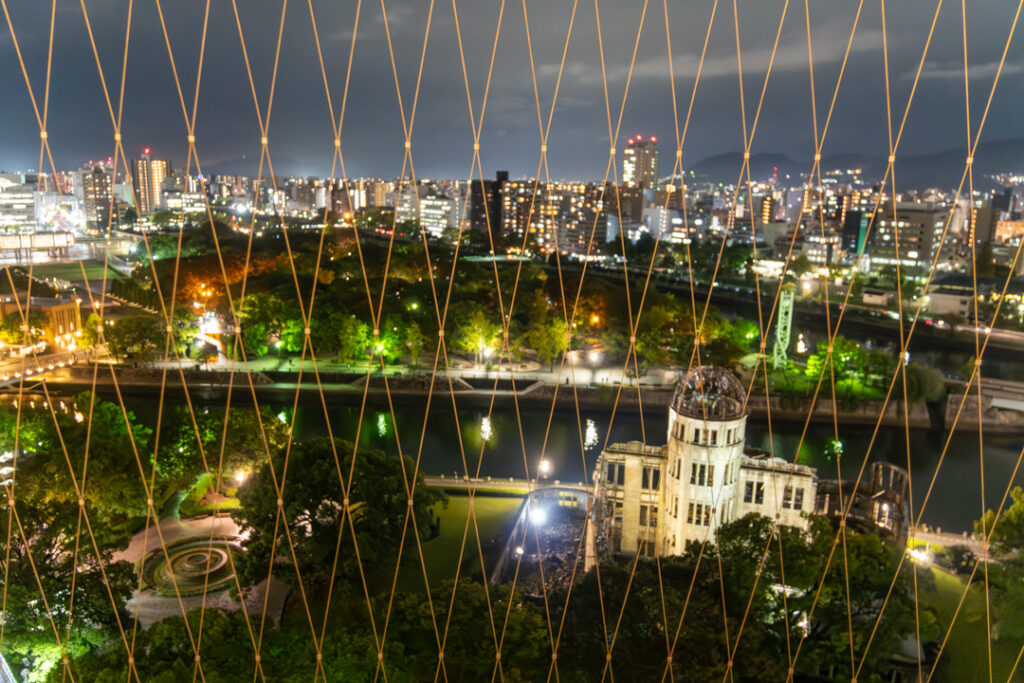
(344, 389)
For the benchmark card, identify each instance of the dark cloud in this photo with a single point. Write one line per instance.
(301, 135)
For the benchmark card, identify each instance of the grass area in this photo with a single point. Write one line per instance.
(965, 658)
(441, 554)
(798, 384)
(73, 271)
(918, 543)
(192, 505)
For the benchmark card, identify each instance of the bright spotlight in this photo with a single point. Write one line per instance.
(538, 516)
(922, 557)
(519, 550)
(545, 467)
(595, 357)
(240, 476)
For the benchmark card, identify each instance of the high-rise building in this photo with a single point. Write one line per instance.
(918, 226)
(640, 163)
(485, 202)
(148, 180)
(97, 186)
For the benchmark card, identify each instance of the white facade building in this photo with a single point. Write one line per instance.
(654, 500)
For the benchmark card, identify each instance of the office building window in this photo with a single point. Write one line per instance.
(798, 500)
(748, 492)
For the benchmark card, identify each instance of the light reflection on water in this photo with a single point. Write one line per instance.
(500, 444)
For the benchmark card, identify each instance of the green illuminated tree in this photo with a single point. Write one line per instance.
(415, 341)
(477, 334)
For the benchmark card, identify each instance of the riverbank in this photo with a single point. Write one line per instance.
(505, 392)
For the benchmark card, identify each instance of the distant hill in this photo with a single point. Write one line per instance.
(938, 169)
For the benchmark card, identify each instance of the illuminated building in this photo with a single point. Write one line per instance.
(17, 203)
(63, 321)
(918, 227)
(640, 163)
(486, 202)
(148, 177)
(97, 188)
(653, 500)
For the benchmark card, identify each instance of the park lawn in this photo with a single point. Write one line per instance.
(441, 554)
(72, 272)
(965, 658)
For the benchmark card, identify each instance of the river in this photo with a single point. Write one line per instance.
(498, 447)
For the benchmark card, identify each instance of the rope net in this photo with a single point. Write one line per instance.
(241, 468)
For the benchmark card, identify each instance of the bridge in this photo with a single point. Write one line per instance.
(499, 486)
(33, 367)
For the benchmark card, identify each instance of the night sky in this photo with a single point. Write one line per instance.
(301, 141)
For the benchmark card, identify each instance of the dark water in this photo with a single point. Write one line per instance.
(503, 445)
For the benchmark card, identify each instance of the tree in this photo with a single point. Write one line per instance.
(226, 652)
(12, 328)
(415, 341)
(261, 317)
(1006, 577)
(90, 336)
(50, 529)
(924, 384)
(800, 266)
(313, 502)
(354, 340)
(478, 335)
(113, 490)
(138, 335)
(292, 336)
(244, 442)
(548, 338)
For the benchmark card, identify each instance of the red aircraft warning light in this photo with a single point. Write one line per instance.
(146, 151)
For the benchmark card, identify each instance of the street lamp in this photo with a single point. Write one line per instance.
(545, 467)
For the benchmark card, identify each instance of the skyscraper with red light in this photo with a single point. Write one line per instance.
(640, 163)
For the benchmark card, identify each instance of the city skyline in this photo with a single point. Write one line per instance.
(300, 135)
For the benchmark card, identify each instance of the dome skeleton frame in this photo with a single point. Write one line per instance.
(710, 392)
